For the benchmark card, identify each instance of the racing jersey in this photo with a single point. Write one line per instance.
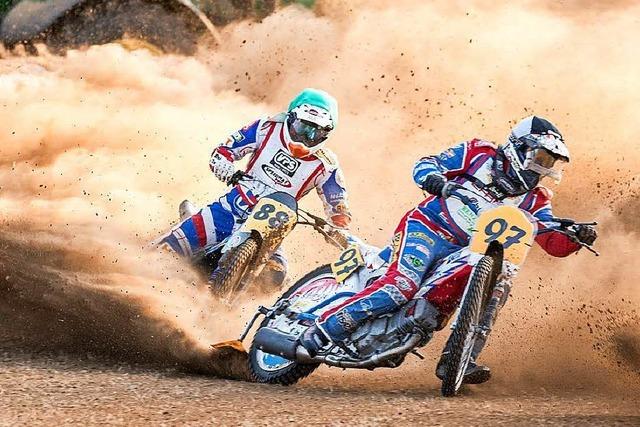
(470, 164)
(275, 169)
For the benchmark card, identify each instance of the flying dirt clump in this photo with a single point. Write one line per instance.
(98, 148)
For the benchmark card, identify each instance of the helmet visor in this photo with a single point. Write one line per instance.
(543, 162)
(308, 133)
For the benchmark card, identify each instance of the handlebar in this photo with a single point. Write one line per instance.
(237, 177)
(331, 233)
(563, 223)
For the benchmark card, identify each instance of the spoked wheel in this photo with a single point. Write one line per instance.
(272, 369)
(232, 267)
(463, 336)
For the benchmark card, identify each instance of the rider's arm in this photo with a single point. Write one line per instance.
(452, 162)
(331, 189)
(239, 143)
(554, 242)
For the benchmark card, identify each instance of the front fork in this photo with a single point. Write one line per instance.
(498, 299)
(280, 307)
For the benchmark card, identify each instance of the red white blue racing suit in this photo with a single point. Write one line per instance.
(434, 229)
(272, 163)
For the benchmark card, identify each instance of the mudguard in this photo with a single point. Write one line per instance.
(271, 219)
(508, 226)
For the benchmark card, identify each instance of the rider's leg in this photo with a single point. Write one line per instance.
(186, 209)
(274, 272)
(210, 225)
(416, 247)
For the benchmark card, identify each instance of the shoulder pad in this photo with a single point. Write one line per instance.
(278, 118)
(479, 143)
(328, 158)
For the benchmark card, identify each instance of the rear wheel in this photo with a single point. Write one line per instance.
(272, 369)
(226, 279)
(464, 334)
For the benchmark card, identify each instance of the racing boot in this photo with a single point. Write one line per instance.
(186, 210)
(313, 339)
(474, 374)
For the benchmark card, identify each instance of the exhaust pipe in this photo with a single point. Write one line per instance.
(273, 341)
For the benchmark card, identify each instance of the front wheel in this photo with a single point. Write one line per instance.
(232, 267)
(272, 369)
(465, 331)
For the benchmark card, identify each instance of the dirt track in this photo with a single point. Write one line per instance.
(98, 147)
(57, 390)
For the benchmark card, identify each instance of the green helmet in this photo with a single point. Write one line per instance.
(317, 98)
(311, 116)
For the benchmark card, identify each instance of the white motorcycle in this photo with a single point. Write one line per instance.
(234, 264)
(500, 241)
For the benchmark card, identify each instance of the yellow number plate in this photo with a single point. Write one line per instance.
(509, 226)
(269, 214)
(350, 259)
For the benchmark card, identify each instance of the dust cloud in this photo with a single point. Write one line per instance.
(98, 147)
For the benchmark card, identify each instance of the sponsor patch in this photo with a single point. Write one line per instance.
(412, 275)
(468, 216)
(415, 262)
(275, 176)
(393, 292)
(395, 246)
(423, 249)
(345, 320)
(366, 305)
(237, 136)
(403, 284)
(341, 208)
(419, 235)
(285, 163)
(447, 154)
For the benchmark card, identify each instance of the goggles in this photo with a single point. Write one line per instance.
(543, 162)
(308, 133)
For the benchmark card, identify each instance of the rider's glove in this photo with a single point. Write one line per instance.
(586, 234)
(434, 184)
(221, 165)
(341, 220)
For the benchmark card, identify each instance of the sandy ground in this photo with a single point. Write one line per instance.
(48, 390)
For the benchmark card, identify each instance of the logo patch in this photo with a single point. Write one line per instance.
(468, 216)
(395, 246)
(403, 284)
(412, 275)
(415, 262)
(423, 249)
(237, 136)
(345, 320)
(421, 236)
(275, 177)
(285, 163)
(366, 305)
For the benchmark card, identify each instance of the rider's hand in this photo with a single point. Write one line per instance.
(586, 234)
(221, 166)
(341, 220)
(434, 184)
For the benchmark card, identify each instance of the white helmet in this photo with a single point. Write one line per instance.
(534, 147)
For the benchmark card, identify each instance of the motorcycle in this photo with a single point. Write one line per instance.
(235, 263)
(499, 243)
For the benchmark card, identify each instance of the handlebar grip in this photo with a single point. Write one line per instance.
(236, 177)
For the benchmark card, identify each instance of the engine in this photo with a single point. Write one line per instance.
(390, 331)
